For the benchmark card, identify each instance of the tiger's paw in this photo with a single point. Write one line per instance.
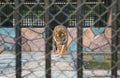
(61, 56)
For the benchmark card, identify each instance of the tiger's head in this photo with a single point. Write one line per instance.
(60, 36)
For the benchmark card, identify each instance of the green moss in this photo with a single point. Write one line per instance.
(97, 65)
(119, 62)
(101, 65)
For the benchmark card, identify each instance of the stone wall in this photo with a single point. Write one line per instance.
(94, 39)
(7, 37)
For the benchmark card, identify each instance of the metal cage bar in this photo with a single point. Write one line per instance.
(18, 40)
(47, 46)
(114, 45)
(79, 41)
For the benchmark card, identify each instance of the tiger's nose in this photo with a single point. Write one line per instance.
(62, 43)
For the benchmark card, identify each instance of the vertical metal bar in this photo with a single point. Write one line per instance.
(79, 41)
(47, 41)
(114, 45)
(18, 40)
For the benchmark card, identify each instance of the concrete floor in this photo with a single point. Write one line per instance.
(33, 66)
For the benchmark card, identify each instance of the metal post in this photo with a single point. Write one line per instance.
(18, 40)
(79, 41)
(47, 41)
(114, 45)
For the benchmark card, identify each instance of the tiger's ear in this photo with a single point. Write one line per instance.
(54, 32)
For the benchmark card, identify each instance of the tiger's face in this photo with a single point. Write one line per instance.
(60, 36)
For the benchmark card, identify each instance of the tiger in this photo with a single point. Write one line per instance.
(60, 39)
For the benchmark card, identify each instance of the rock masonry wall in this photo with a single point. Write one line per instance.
(94, 39)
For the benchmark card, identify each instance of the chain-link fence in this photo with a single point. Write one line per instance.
(26, 38)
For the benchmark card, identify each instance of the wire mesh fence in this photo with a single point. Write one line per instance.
(27, 34)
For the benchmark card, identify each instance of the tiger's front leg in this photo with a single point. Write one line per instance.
(63, 50)
(59, 49)
(53, 46)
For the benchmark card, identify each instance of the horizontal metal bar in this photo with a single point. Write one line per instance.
(55, 3)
